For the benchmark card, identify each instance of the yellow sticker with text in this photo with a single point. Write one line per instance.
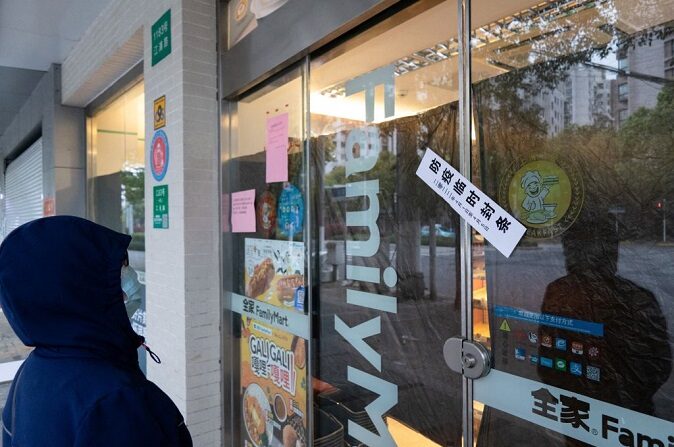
(159, 113)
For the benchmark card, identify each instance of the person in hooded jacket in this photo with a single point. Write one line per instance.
(60, 289)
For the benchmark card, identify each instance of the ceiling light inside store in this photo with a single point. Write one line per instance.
(428, 78)
(510, 30)
(408, 64)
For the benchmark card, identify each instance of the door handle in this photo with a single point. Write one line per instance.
(466, 357)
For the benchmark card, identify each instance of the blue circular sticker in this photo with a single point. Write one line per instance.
(159, 155)
(290, 215)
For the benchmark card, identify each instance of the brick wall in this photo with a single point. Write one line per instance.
(182, 262)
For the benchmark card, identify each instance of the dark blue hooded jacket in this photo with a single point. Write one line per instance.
(60, 289)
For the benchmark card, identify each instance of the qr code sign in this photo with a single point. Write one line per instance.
(593, 373)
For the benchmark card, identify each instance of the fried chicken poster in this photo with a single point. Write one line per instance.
(273, 387)
(274, 273)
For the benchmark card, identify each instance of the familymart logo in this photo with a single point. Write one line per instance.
(613, 428)
(592, 421)
(358, 161)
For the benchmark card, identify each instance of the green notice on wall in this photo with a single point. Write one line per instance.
(161, 207)
(161, 38)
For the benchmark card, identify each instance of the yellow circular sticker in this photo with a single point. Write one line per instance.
(544, 194)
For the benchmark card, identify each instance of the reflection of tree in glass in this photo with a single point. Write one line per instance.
(511, 126)
(647, 162)
(568, 32)
(416, 205)
(624, 170)
(133, 194)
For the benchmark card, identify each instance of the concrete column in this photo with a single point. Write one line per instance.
(63, 143)
(182, 262)
(64, 151)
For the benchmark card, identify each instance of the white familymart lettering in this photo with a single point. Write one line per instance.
(360, 162)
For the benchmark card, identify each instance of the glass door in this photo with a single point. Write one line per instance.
(385, 267)
(265, 255)
(346, 272)
(573, 105)
(341, 267)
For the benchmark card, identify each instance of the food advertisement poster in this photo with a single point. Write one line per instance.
(274, 272)
(273, 387)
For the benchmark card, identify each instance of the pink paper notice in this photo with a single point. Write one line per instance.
(243, 211)
(277, 148)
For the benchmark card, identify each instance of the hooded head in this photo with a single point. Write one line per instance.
(60, 287)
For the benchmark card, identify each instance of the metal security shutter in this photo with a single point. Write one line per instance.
(23, 188)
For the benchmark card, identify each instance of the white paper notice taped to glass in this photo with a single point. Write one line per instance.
(501, 229)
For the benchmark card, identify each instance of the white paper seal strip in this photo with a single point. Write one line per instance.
(482, 212)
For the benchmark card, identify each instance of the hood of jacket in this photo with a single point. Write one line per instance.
(60, 288)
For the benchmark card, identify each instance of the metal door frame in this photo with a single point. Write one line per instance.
(463, 16)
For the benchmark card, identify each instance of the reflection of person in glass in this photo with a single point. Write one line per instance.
(625, 365)
(632, 360)
(355, 150)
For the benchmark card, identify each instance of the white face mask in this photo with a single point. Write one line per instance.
(133, 290)
(130, 284)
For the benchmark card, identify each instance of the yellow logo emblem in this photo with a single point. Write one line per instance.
(544, 194)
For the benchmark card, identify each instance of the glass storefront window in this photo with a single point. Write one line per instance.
(581, 313)
(387, 275)
(117, 164)
(116, 185)
(570, 113)
(11, 348)
(381, 259)
(265, 268)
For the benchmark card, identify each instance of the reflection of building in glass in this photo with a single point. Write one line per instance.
(587, 95)
(669, 57)
(582, 99)
(551, 105)
(340, 146)
(643, 71)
